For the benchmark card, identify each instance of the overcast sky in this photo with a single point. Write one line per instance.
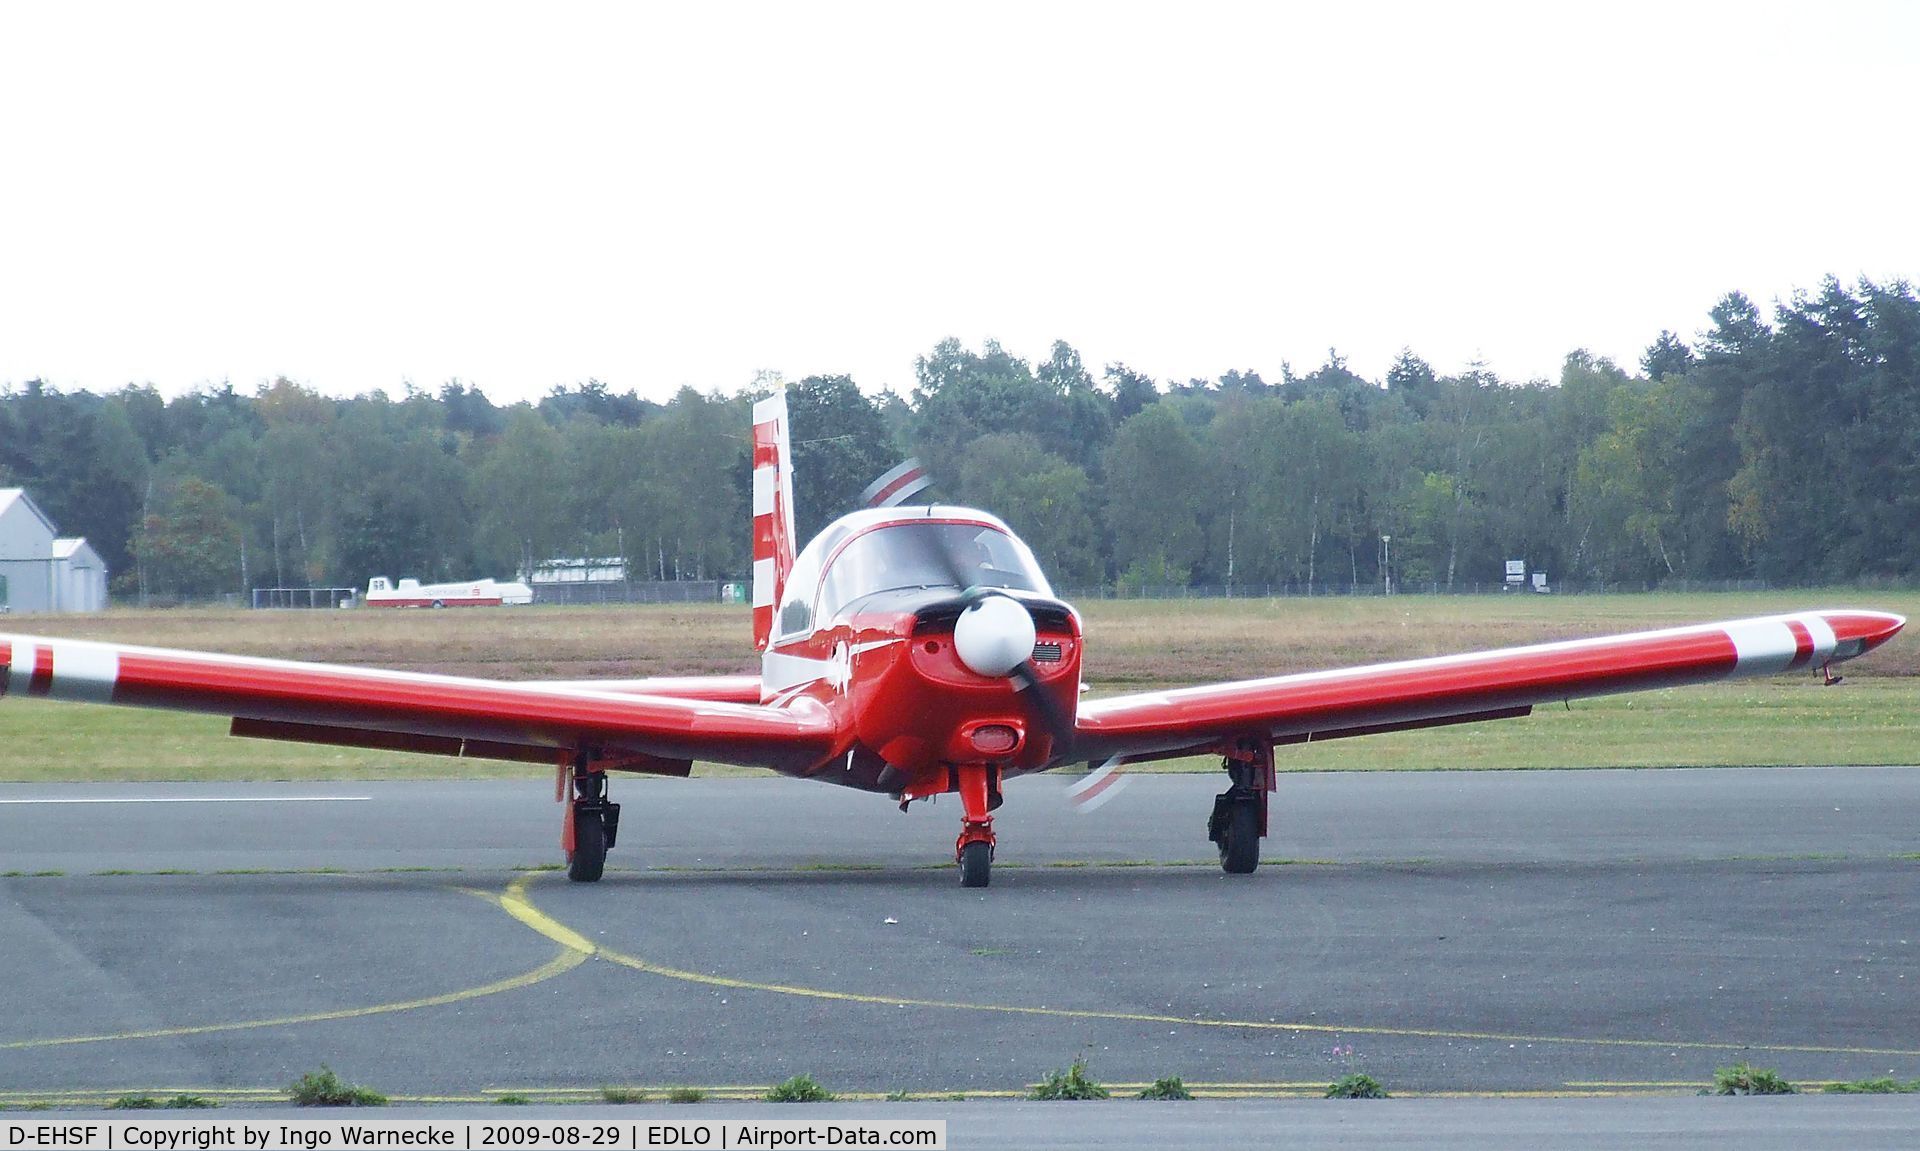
(356, 196)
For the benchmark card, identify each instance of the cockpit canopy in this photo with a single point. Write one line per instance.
(864, 554)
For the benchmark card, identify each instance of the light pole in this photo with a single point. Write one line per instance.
(1386, 563)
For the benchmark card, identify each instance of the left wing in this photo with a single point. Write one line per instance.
(438, 714)
(1465, 688)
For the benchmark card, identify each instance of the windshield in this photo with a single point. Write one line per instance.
(909, 556)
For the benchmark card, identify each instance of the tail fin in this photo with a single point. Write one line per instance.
(773, 544)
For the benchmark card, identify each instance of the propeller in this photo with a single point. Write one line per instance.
(1094, 789)
(994, 636)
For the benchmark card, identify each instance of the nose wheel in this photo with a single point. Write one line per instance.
(979, 793)
(976, 864)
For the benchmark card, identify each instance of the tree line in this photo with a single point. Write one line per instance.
(1782, 448)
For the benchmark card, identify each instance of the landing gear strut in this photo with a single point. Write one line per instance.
(592, 822)
(979, 787)
(1239, 817)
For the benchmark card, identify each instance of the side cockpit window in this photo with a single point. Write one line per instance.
(795, 615)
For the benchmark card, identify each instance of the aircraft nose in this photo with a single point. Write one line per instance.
(994, 635)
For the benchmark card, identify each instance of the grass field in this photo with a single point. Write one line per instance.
(1872, 719)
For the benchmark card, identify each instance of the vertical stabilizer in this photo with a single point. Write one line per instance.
(773, 544)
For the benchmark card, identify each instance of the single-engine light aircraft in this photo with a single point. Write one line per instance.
(913, 652)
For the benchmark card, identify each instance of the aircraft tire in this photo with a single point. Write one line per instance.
(1240, 840)
(976, 864)
(589, 858)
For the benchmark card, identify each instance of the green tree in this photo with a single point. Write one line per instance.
(1668, 355)
(1305, 483)
(189, 543)
(1626, 502)
(517, 502)
(841, 444)
(1159, 492)
(1131, 391)
(1042, 497)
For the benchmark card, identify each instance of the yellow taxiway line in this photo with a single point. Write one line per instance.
(516, 903)
(570, 957)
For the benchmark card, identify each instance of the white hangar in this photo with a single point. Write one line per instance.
(39, 570)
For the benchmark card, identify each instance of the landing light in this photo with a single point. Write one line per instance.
(995, 739)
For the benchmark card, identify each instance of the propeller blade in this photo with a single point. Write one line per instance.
(1098, 786)
(1059, 724)
(935, 545)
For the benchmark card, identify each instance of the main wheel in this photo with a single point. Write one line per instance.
(1240, 840)
(976, 864)
(589, 857)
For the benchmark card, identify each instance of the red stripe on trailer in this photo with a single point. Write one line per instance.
(42, 681)
(6, 664)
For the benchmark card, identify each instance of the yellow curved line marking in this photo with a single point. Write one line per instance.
(569, 958)
(515, 900)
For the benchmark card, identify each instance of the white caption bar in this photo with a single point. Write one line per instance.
(350, 1135)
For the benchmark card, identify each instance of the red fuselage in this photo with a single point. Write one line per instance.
(906, 708)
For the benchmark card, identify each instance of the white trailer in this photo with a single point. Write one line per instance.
(478, 593)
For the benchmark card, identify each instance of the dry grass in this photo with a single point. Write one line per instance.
(1131, 645)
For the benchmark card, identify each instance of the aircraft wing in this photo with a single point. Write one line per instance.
(410, 711)
(717, 688)
(1465, 688)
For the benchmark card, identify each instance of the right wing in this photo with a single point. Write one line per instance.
(412, 711)
(1500, 684)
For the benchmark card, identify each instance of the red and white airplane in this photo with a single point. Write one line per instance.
(910, 652)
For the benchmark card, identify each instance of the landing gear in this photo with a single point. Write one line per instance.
(592, 822)
(979, 795)
(976, 864)
(1239, 817)
(588, 859)
(1235, 827)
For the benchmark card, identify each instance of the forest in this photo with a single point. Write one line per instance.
(1782, 448)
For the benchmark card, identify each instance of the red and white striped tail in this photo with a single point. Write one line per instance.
(773, 544)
